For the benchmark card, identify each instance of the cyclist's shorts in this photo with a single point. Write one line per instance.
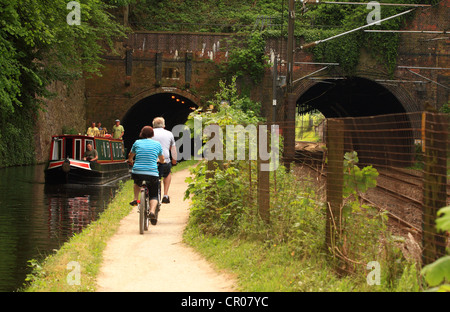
(164, 169)
(152, 183)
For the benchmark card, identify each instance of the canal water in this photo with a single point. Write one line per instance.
(36, 219)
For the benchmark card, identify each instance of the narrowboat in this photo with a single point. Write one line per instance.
(66, 164)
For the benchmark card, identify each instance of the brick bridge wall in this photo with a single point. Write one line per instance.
(186, 64)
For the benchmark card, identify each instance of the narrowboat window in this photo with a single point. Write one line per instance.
(57, 149)
(88, 142)
(117, 150)
(105, 149)
(69, 148)
(78, 149)
(109, 151)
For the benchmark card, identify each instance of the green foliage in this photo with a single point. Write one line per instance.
(246, 57)
(16, 139)
(37, 47)
(437, 274)
(199, 15)
(229, 108)
(346, 50)
(445, 108)
(356, 180)
(218, 196)
(319, 22)
(217, 202)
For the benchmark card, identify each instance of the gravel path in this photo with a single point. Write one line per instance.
(158, 260)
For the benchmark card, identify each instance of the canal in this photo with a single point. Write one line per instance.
(36, 219)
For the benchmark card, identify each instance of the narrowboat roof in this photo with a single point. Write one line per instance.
(81, 136)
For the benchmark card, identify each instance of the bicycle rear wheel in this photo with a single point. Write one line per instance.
(147, 213)
(158, 204)
(142, 212)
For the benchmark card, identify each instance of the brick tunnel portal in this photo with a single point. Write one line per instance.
(173, 107)
(349, 97)
(359, 97)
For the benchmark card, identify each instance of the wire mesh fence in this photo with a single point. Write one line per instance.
(367, 192)
(382, 179)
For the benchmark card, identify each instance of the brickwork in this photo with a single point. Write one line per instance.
(186, 64)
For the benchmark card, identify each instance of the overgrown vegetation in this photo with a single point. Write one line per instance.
(247, 57)
(305, 127)
(316, 23)
(37, 47)
(437, 274)
(289, 252)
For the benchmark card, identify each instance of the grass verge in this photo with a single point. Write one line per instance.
(74, 267)
(288, 254)
(260, 267)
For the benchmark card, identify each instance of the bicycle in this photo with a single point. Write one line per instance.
(144, 207)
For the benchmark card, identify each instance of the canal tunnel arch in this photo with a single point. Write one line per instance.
(359, 98)
(173, 107)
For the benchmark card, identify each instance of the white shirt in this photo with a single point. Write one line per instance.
(167, 140)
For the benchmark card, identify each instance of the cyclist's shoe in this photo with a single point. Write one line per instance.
(134, 203)
(165, 200)
(153, 219)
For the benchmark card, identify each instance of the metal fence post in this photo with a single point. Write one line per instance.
(335, 178)
(263, 182)
(289, 130)
(434, 184)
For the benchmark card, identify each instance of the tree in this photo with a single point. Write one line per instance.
(37, 47)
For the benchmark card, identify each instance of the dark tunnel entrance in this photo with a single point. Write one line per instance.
(349, 97)
(172, 107)
(385, 140)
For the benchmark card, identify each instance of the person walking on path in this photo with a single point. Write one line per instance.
(167, 141)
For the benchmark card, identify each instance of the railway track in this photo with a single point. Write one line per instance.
(399, 192)
(417, 204)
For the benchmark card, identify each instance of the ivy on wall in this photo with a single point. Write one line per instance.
(331, 19)
(37, 47)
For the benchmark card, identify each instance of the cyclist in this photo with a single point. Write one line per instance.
(147, 153)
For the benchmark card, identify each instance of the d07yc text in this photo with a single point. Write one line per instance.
(246, 301)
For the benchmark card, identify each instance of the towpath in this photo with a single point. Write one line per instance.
(158, 261)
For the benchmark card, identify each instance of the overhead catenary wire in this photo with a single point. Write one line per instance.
(407, 31)
(312, 44)
(437, 83)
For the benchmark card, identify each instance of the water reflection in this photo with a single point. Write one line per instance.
(36, 218)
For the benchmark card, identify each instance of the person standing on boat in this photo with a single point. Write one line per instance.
(147, 153)
(101, 129)
(92, 130)
(167, 141)
(91, 153)
(118, 130)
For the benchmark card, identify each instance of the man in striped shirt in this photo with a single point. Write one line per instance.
(147, 153)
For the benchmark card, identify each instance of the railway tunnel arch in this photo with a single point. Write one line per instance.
(357, 100)
(172, 106)
(353, 97)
